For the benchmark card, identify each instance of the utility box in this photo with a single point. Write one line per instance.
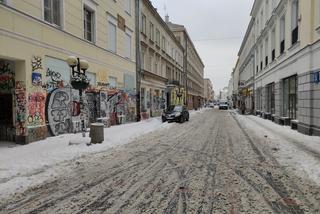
(96, 133)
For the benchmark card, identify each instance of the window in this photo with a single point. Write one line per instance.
(158, 37)
(273, 45)
(262, 21)
(113, 82)
(290, 97)
(282, 34)
(164, 43)
(92, 77)
(151, 33)
(294, 22)
(128, 6)
(128, 45)
(266, 48)
(143, 55)
(143, 24)
(261, 57)
(112, 34)
(88, 24)
(267, 10)
(52, 11)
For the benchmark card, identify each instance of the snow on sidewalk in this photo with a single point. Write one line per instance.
(298, 152)
(33, 164)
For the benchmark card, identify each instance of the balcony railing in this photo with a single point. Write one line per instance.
(173, 82)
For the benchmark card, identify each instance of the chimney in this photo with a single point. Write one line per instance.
(167, 18)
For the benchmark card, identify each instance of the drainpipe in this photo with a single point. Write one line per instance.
(185, 66)
(138, 59)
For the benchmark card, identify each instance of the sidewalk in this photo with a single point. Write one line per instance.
(299, 152)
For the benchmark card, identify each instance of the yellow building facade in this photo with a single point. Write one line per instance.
(161, 63)
(36, 37)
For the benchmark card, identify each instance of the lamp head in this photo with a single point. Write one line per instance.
(84, 65)
(72, 61)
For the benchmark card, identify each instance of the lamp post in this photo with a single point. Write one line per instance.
(79, 81)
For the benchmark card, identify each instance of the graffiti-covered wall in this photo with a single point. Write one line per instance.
(36, 101)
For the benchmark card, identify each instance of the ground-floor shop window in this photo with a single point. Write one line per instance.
(143, 100)
(290, 97)
(270, 98)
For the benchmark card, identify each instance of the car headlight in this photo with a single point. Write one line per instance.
(177, 114)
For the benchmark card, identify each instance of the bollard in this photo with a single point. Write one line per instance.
(96, 133)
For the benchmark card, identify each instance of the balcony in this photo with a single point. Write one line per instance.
(173, 82)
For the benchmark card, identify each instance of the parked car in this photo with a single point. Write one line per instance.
(211, 105)
(223, 104)
(176, 113)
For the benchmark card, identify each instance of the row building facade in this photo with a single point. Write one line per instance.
(36, 91)
(278, 66)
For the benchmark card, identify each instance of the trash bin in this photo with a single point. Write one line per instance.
(96, 133)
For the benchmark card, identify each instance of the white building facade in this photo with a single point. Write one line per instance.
(285, 68)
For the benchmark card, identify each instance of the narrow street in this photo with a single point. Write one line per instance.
(211, 164)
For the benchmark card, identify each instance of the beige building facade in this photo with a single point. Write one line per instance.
(36, 37)
(286, 50)
(208, 91)
(194, 67)
(161, 62)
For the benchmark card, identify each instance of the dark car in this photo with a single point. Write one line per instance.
(177, 113)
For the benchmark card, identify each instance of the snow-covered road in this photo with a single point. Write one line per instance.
(219, 162)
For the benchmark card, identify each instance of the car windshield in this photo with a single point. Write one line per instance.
(175, 109)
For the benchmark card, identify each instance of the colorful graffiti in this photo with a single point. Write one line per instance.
(54, 80)
(6, 77)
(37, 133)
(21, 109)
(63, 111)
(58, 111)
(36, 63)
(36, 109)
(121, 106)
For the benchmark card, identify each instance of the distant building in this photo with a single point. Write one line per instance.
(193, 65)
(162, 81)
(208, 91)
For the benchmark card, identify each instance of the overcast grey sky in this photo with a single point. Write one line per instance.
(216, 28)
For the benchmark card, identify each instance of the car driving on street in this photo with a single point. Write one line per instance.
(223, 104)
(176, 113)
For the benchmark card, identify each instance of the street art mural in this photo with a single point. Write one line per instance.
(7, 77)
(36, 109)
(21, 108)
(115, 106)
(122, 106)
(59, 111)
(63, 111)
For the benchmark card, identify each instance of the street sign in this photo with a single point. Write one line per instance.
(316, 77)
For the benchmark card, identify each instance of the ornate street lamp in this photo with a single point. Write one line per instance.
(79, 81)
